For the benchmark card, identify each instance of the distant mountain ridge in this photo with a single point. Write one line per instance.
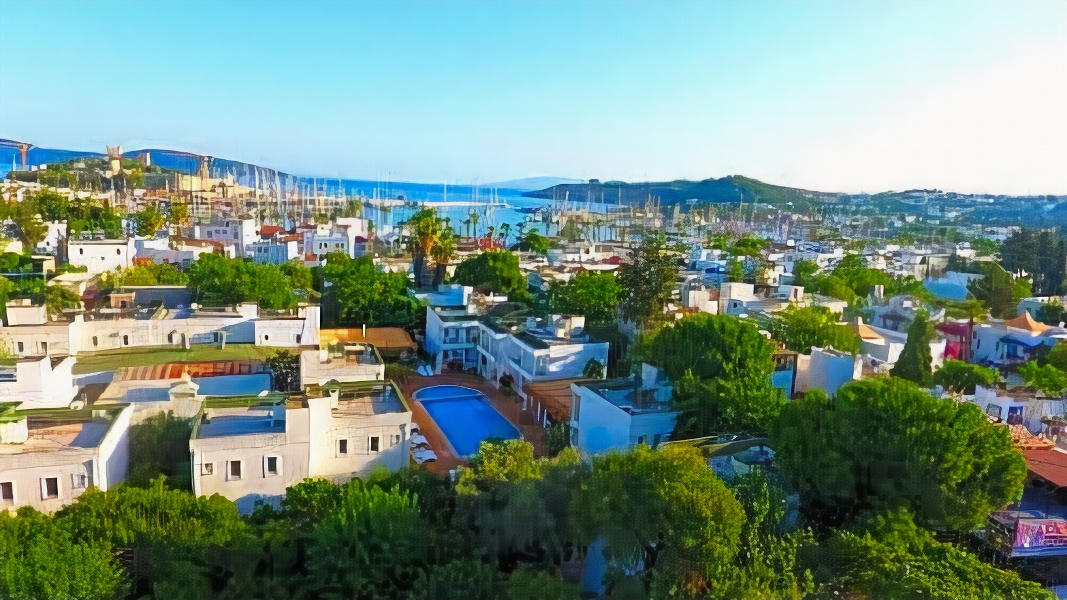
(528, 184)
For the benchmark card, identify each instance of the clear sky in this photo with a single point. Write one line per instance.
(836, 96)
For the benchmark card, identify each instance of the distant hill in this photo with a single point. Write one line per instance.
(532, 183)
(734, 188)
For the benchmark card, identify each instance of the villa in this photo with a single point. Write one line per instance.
(49, 457)
(251, 450)
(30, 333)
(620, 413)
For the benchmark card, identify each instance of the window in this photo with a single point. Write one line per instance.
(233, 470)
(44, 347)
(373, 443)
(96, 341)
(207, 469)
(395, 440)
(656, 439)
(643, 439)
(22, 347)
(7, 492)
(209, 234)
(125, 340)
(271, 466)
(118, 251)
(342, 446)
(265, 337)
(79, 482)
(81, 250)
(298, 339)
(49, 488)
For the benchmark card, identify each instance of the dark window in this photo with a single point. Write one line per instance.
(96, 342)
(235, 469)
(7, 491)
(44, 347)
(118, 251)
(51, 487)
(374, 443)
(272, 465)
(125, 340)
(342, 446)
(22, 348)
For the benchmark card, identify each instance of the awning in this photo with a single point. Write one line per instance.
(555, 396)
(1050, 465)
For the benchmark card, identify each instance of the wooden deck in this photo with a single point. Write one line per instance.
(509, 406)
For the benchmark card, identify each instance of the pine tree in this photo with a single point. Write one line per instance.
(914, 361)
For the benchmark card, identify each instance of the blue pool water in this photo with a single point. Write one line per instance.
(233, 385)
(465, 416)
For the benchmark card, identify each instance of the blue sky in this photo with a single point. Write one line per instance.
(849, 96)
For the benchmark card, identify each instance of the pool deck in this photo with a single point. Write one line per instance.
(509, 406)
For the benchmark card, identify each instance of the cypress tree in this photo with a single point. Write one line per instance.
(914, 361)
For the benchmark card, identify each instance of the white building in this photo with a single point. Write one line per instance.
(54, 239)
(885, 345)
(453, 317)
(348, 235)
(29, 334)
(239, 232)
(253, 454)
(274, 252)
(827, 369)
(101, 255)
(341, 362)
(39, 382)
(621, 413)
(49, 457)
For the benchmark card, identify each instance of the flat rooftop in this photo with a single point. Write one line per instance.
(628, 396)
(380, 400)
(52, 430)
(241, 420)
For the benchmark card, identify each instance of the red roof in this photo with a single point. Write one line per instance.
(612, 260)
(1050, 465)
(269, 230)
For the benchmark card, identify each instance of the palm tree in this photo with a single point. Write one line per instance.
(425, 233)
(467, 224)
(442, 252)
(474, 221)
(505, 229)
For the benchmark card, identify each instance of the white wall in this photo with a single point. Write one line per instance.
(101, 256)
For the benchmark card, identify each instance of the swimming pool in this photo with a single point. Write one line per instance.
(233, 385)
(465, 416)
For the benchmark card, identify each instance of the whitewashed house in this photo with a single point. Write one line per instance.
(252, 454)
(49, 457)
(620, 413)
(99, 255)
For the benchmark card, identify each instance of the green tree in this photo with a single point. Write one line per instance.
(370, 546)
(735, 270)
(835, 287)
(749, 245)
(853, 270)
(914, 362)
(722, 367)
(532, 241)
(40, 559)
(962, 377)
(58, 298)
(800, 328)
(1050, 380)
(649, 279)
(594, 294)
(29, 222)
(891, 558)
(363, 293)
(593, 369)
(159, 446)
(465, 579)
(148, 221)
(681, 523)
(804, 273)
(494, 271)
(151, 274)
(426, 230)
(443, 252)
(884, 442)
(528, 584)
(995, 290)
